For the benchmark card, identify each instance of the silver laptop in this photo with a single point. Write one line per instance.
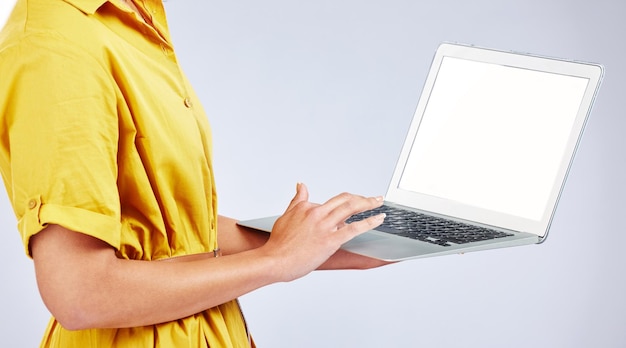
(486, 155)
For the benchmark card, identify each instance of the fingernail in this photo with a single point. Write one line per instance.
(380, 198)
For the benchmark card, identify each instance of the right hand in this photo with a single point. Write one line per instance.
(308, 234)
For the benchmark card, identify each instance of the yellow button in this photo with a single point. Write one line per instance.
(32, 204)
(188, 103)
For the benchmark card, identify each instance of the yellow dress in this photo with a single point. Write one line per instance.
(100, 132)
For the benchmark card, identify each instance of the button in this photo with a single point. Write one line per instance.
(32, 204)
(188, 103)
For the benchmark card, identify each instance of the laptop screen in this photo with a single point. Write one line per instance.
(493, 136)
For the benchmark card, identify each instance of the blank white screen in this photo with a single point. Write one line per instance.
(493, 136)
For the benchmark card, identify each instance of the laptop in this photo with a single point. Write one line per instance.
(486, 155)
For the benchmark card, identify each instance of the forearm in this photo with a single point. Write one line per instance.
(234, 239)
(181, 289)
(125, 293)
(346, 260)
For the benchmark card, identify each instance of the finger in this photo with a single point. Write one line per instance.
(340, 225)
(347, 205)
(353, 229)
(302, 195)
(348, 200)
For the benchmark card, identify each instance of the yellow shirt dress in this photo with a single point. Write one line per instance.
(100, 132)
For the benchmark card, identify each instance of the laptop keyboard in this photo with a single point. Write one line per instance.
(428, 228)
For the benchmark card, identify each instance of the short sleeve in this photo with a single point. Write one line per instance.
(60, 139)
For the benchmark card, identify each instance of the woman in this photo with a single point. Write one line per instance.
(106, 157)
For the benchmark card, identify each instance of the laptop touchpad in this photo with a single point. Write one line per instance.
(365, 237)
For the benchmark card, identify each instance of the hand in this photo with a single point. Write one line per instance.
(308, 234)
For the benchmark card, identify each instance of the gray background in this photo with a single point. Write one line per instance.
(323, 92)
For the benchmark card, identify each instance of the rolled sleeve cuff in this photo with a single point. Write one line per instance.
(37, 216)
